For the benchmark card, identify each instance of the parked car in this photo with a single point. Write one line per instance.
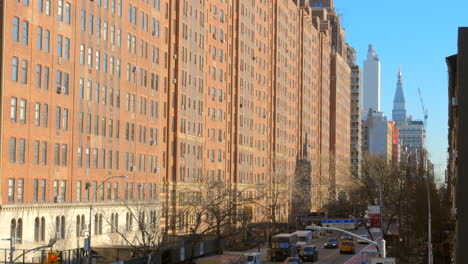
(362, 241)
(347, 237)
(331, 243)
(347, 246)
(293, 260)
(308, 253)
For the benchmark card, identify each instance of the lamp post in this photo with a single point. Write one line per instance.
(381, 245)
(88, 244)
(429, 231)
(51, 244)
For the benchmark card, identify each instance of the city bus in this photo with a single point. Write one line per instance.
(283, 246)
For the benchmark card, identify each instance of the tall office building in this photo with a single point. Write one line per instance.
(399, 104)
(356, 121)
(377, 134)
(371, 81)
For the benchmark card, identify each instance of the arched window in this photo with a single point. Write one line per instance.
(100, 224)
(116, 222)
(13, 228)
(78, 226)
(96, 224)
(112, 223)
(62, 226)
(83, 223)
(19, 231)
(57, 227)
(37, 229)
(43, 223)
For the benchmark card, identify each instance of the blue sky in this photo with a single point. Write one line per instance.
(415, 35)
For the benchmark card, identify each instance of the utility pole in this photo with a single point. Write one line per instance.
(381, 209)
(429, 225)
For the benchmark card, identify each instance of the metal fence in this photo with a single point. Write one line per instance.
(71, 256)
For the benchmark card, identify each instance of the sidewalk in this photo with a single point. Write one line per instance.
(357, 259)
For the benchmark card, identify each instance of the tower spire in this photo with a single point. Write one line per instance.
(399, 104)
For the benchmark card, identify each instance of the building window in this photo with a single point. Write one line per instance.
(43, 192)
(35, 191)
(39, 38)
(67, 48)
(44, 153)
(56, 188)
(36, 152)
(65, 119)
(78, 191)
(11, 190)
(37, 229)
(90, 23)
(20, 190)
(46, 78)
(67, 13)
(63, 190)
(22, 150)
(24, 71)
(14, 69)
(22, 113)
(12, 149)
(25, 32)
(47, 41)
(64, 155)
(47, 7)
(59, 45)
(45, 118)
(82, 55)
(83, 20)
(80, 158)
(57, 156)
(58, 118)
(60, 10)
(13, 109)
(16, 21)
(38, 75)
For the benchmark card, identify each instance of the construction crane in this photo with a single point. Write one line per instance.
(424, 109)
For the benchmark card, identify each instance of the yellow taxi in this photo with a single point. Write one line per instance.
(347, 246)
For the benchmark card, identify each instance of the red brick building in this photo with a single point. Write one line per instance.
(167, 93)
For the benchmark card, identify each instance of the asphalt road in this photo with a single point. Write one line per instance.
(333, 256)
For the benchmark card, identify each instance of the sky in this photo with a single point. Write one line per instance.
(417, 36)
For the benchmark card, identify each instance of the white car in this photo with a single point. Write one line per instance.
(362, 240)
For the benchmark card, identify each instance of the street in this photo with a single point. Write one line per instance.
(333, 256)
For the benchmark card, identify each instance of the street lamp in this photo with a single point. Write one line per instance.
(381, 245)
(51, 244)
(88, 244)
(429, 231)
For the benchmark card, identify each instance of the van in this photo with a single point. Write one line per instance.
(347, 246)
(254, 258)
(304, 237)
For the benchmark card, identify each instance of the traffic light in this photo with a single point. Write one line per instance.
(52, 258)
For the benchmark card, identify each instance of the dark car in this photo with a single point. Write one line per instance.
(347, 237)
(308, 253)
(331, 243)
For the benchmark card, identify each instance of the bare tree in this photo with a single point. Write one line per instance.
(142, 231)
(215, 210)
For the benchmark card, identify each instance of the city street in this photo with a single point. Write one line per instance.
(333, 256)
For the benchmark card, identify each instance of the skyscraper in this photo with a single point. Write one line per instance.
(399, 105)
(371, 90)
